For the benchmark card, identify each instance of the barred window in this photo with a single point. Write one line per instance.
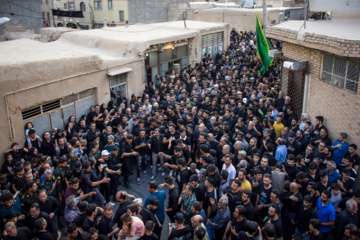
(341, 72)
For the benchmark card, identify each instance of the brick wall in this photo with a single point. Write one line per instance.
(340, 47)
(339, 107)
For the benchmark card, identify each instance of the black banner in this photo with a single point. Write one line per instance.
(73, 14)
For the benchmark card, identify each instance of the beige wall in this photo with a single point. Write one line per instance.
(195, 44)
(88, 13)
(241, 20)
(339, 107)
(111, 15)
(23, 90)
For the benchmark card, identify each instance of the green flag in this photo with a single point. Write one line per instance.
(262, 47)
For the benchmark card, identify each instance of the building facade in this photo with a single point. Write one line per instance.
(330, 85)
(84, 68)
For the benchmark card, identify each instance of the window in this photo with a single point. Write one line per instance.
(98, 5)
(71, 6)
(110, 4)
(47, 2)
(118, 83)
(122, 17)
(211, 44)
(341, 72)
(82, 6)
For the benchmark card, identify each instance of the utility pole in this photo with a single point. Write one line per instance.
(305, 13)
(264, 15)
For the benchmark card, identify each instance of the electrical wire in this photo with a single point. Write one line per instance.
(23, 7)
(13, 14)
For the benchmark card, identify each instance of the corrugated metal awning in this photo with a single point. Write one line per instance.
(120, 71)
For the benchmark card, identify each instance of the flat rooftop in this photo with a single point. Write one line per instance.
(112, 45)
(147, 33)
(347, 29)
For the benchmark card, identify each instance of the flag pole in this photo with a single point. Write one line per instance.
(264, 15)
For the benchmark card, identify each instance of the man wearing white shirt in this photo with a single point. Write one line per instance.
(147, 105)
(229, 168)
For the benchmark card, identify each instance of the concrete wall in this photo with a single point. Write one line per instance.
(150, 11)
(195, 44)
(338, 106)
(339, 9)
(240, 19)
(24, 88)
(26, 13)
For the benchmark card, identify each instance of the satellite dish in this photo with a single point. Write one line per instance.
(4, 20)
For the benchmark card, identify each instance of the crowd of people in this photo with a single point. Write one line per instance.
(236, 162)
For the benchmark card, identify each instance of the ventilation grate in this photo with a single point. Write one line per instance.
(69, 99)
(50, 106)
(86, 93)
(31, 112)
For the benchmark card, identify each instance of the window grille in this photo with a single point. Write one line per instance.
(341, 72)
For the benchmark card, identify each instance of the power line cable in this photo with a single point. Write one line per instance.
(23, 7)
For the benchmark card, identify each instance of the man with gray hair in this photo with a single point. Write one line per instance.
(111, 144)
(340, 148)
(333, 173)
(304, 117)
(216, 227)
(348, 215)
(266, 140)
(237, 147)
(71, 210)
(11, 231)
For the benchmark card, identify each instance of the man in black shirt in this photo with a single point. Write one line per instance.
(12, 232)
(92, 212)
(246, 201)
(90, 182)
(274, 218)
(263, 198)
(173, 197)
(237, 224)
(169, 139)
(183, 176)
(104, 224)
(252, 229)
(293, 205)
(41, 232)
(155, 144)
(314, 229)
(124, 200)
(50, 206)
(347, 216)
(233, 194)
(35, 214)
(289, 168)
(305, 214)
(149, 235)
(199, 192)
(141, 146)
(264, 165)
(79, 220)
(214, 175)
(127, 154)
